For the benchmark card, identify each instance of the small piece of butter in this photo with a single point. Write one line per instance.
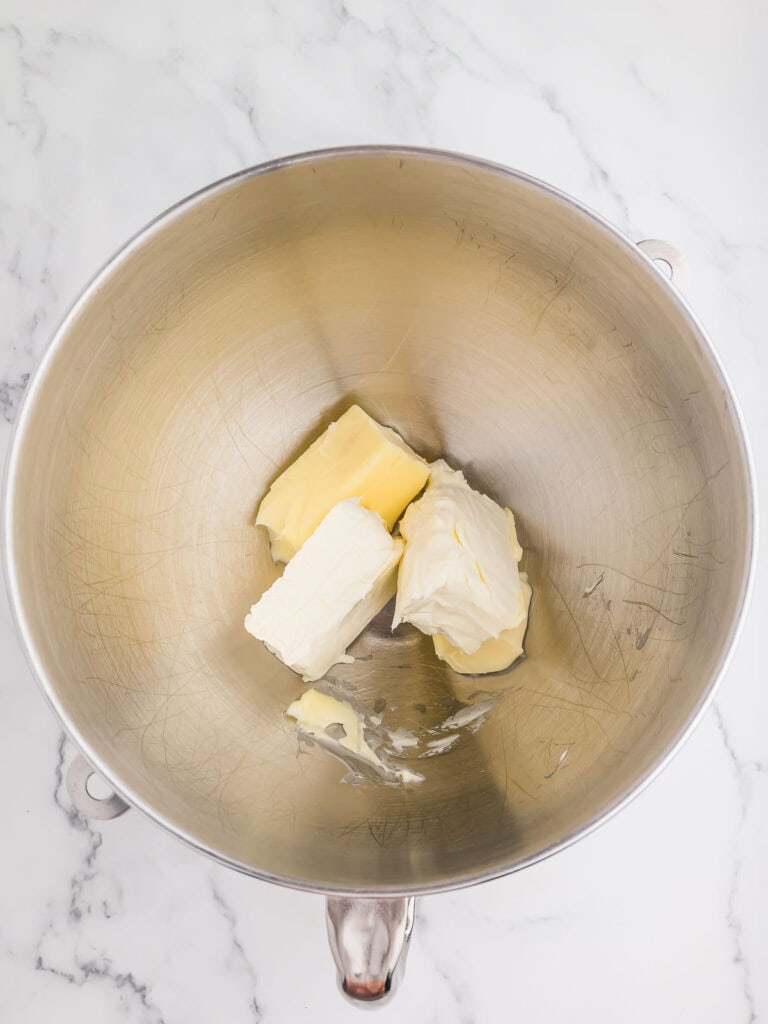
(458, 575)
(340, 579)
(493, 655)
(354, 458)
(315, 713)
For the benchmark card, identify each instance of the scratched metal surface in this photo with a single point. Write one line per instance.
(488, 321)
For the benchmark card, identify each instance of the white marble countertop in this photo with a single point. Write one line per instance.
(654, 114)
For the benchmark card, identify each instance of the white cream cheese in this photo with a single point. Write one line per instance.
(342, 577)
(458, 575)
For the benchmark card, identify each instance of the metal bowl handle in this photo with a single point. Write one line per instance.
(369, 941)
(664, 252)
(78, 775)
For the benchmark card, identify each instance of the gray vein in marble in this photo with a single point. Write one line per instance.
(33, 120)
(33, 296)
(86, 970)
(424, 926)
(238, 952)
(25, 262)
(483, 51)
(699, 217)
(425, 929)
(79, 906)
(11, 392)
(124, 983)
(598, 173)
(735, 925)
(243, 102)
(644, 84)
(60, 798)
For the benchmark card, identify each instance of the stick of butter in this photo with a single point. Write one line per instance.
(354, 458)
(492, 655)
(343, 576)
(459, 574)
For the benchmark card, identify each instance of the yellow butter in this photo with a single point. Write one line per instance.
(314, 712)
(492, 655)
(354, 458)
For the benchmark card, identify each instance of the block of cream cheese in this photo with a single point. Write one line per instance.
(342, 576)
(493, 655)
(354, 458)
(458, 575)
(315, 712)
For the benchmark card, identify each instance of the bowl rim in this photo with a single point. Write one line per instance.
(120, 256)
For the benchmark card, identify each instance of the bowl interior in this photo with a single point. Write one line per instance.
(489, 321)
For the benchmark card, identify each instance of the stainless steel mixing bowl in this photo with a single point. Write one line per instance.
(489, 319)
